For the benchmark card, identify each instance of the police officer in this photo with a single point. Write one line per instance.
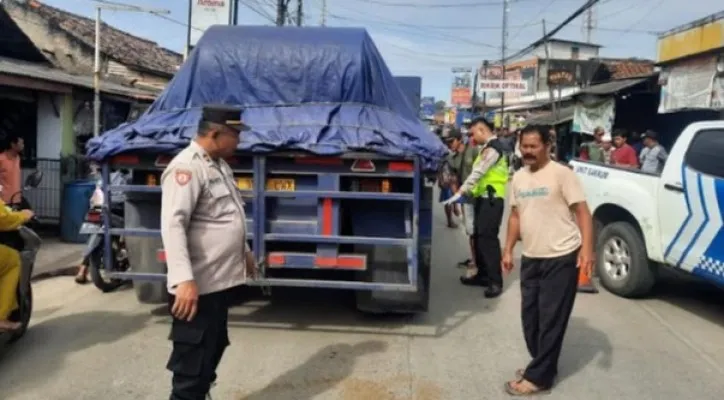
(203, 227)
(486, 185)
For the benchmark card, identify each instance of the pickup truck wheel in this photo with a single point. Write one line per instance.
(622, 262)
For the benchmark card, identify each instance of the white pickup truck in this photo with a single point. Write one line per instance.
(645, 221)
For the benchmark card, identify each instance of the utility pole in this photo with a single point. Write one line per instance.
(548, 71)
(323, 16)
(502, 60)
(485, 94)
(300, 12)
(589, 25)
(282, 11)
(108, 5)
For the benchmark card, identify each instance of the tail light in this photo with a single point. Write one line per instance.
(94, 216)
(363, 166)
(374, 185)
(161, 255)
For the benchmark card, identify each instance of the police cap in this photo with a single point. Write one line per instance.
(221, 114)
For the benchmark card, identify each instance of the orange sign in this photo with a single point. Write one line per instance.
(460, 97)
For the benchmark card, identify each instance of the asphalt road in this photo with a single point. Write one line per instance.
(306, 345)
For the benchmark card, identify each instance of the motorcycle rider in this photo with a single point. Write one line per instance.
(10, 266)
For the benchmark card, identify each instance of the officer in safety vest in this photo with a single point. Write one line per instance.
(203, 226)
(486, 185)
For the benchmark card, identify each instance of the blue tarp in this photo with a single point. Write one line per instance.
(324, 90)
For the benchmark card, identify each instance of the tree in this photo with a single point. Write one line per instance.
(440, 105)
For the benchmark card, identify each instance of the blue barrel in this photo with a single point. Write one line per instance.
(76, 200)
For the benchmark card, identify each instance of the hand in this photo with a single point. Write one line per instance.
(454, 199)
(507, 262)
(27, 214)
(586, 260)
(252, 270)
(186, 303)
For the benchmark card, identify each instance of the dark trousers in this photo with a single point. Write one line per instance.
(198, 346)
(548, 290)
(488, 216)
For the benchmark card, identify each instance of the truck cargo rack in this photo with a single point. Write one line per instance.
(328, 196)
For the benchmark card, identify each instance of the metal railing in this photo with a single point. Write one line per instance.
(46, 198)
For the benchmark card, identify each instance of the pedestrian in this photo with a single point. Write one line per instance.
(624, 154)
(606, 148)
(486, 185)
(465, 152)
(446, 180)
(554, 144)
(549, 215)
(591, 151)
(653, 156)
(203, 227)
(10, 172)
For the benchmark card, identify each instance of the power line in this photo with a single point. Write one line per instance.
(449, 5)
(646, 15)
(532, 21)
(549, 35)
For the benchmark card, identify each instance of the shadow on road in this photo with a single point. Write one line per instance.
(70, 334)
(584, 344)
(323, 371)
(698, 298)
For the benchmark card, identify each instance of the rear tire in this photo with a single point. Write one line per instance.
(95, 264)
(640, 276)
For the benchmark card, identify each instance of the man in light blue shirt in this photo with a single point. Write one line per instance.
(653, 156)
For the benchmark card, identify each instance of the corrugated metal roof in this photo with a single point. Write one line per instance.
(612, 87)
(43, 72)
(564, 114)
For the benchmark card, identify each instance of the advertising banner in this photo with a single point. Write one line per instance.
(205, 13)
(461, 93)
(592, 112)
(506, 86)
(428, 107)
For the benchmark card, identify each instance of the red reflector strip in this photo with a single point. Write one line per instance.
(327, 217)
(400, 166)
(275, 259)
(125, 159)
(318, 161)
(346, 262)
(161, 255)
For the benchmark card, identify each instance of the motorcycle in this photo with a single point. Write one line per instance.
(28, 243)
(93, 255)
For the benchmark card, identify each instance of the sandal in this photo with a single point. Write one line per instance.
(523, 388)
(81, 279)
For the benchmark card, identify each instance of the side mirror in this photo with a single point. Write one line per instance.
(33, 180)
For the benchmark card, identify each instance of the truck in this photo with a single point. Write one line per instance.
(412, 88)
(646, 223)
(333, 170)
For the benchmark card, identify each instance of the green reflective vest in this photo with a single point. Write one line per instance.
(495, 177)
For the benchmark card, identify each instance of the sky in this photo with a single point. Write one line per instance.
(428, 38)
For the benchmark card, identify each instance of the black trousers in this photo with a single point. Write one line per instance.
(198, 346)
(548, 290)
(488, 216)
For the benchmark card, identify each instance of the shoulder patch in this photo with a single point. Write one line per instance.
(182, 176)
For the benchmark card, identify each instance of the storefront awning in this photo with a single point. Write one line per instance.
(565, 114)
(612, 87)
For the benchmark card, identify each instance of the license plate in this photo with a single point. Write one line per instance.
(280, 185)
(89, 228)
(245, 183)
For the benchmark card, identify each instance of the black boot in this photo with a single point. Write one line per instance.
(493, 291)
